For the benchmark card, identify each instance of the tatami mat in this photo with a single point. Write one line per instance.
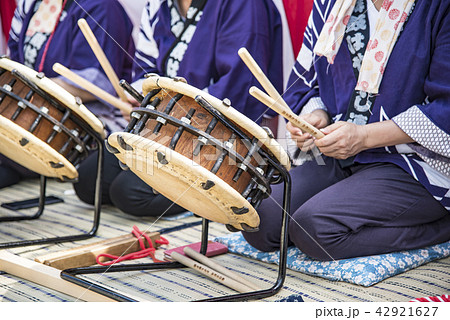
(183, 284)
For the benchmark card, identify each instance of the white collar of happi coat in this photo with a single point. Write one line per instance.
(391, 18)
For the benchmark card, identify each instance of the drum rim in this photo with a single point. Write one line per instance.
(68, 171)
(56, 91)
(179, 158)
(158, 82)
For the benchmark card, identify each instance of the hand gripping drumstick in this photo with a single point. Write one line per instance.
(88, 86)
(104, 62)
(210, 263)
(286, 113)
(233, 284)
(274, 100)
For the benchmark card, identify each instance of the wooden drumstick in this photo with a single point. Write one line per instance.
(90, 87)
(210, 263)
(260, 76)
(286, 113)
(188, 262)
(104, 62)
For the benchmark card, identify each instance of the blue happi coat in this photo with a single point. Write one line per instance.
(110, 25)
(211, 61)
(414, 92)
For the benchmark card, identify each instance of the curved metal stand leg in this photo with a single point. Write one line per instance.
(283, 252)
(88, 234)
(43, 186)
(71, 274)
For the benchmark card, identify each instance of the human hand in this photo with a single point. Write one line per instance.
(133, 104)
(343, 140)
(317, 118)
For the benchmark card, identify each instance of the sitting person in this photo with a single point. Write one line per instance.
(381, 95)
(46, 32)
(206, 55)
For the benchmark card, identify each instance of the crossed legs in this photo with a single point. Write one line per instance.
(362, 210)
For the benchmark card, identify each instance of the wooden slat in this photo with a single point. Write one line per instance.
(46, 276)
(85, 255)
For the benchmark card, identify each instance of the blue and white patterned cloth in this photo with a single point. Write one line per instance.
(182, 215)
(364, 271)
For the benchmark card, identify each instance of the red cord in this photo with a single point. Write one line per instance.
(144, 252)
(44, 55)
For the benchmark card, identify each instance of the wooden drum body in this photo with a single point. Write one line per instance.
(42, 126)
(200, 153)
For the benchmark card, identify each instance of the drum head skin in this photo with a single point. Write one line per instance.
(59, 93)
(183, 181)
(32, 153)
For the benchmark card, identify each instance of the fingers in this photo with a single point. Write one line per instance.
(342, 140)
(303, 140)
(333, 134)
(312, 119)
(333, 127)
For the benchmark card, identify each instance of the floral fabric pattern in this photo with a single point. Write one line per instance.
(364, 271)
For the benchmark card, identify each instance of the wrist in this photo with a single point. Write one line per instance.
(365, 137)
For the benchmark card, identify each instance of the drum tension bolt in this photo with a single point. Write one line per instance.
(123, 166)
(162, 158)
(260, 170)
(179, 79)
(269, 132)
(78, 101)
(148, 75)
(161, 120)
(56, 165)
(239, 211)
(79, 148)
(207, 185)
(110, 148)
(66, 179)
(40, 75)
(23, 142)
(136, 115)
(247, 228)
(123, 144)
(57, 128)
(226, 102)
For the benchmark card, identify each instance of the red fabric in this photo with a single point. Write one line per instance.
(297, 14)
(7, 8)
(443, 298)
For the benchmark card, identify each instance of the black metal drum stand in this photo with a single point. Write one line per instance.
(40, 211)
(72, 274)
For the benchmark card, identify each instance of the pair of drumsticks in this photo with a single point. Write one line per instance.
(274, 99)
(213, 270)
(122, 103)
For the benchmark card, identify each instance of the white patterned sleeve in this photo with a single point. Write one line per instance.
(315, 103)
(433, 144)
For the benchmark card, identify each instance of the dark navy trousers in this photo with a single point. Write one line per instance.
(361, 210)
(123, 189)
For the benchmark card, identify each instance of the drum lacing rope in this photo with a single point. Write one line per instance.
(144, 252)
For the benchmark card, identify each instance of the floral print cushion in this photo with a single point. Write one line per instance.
(364, 271)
